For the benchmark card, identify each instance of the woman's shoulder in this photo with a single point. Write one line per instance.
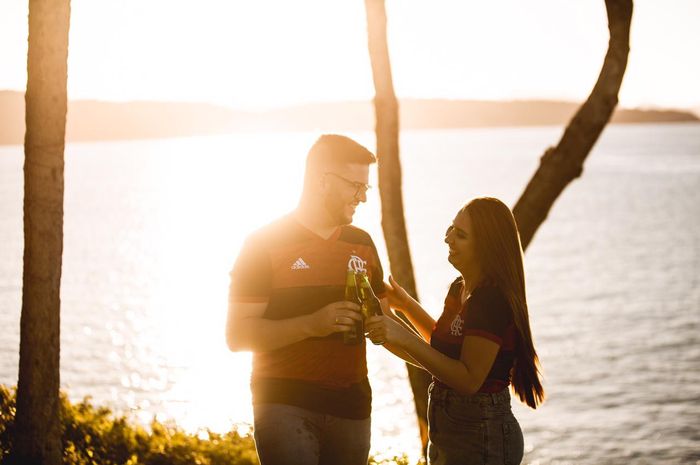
(488, 291)
(456, 287)
(490, 296)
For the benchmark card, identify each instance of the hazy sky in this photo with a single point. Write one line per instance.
(277, 52)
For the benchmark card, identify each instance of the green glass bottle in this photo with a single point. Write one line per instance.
(356, 334)
(370, 302)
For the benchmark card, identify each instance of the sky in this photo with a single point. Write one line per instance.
(269, 53)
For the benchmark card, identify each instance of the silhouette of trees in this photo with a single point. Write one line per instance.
(37, 438)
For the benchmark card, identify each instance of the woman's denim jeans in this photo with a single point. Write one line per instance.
(288, 435)
(472, 429)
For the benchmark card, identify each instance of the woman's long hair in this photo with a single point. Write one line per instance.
(500, 257)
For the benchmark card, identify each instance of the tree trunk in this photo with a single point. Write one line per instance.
(562, 164)
(38, 433)
(389, 167)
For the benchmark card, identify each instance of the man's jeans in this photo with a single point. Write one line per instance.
(288, 435)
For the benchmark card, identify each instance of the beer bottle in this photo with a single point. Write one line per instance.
(370, 302)
(356, 334)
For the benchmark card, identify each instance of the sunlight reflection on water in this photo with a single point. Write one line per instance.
(152, 229)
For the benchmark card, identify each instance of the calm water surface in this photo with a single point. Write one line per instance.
(152, 229)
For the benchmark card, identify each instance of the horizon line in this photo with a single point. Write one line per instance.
(695, 108)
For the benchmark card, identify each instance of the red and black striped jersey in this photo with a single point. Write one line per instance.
(296, 272)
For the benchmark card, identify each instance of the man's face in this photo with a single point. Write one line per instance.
(346, 187)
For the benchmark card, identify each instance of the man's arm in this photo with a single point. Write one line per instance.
(246, 329)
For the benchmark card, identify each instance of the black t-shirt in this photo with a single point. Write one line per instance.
(487, 314)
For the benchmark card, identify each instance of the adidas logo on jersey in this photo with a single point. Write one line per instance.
(300, 264)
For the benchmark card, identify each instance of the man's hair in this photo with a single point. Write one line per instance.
(333, 150)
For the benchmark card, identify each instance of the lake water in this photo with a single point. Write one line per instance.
(153, 227)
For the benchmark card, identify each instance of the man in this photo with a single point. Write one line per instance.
(311, 396)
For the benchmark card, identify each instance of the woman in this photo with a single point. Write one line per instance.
(479, 346)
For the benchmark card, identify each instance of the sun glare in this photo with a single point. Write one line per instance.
(231, 191)
(250, 55)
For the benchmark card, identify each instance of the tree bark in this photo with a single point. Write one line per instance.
(562, 164)
(389, 168)
(38, 434)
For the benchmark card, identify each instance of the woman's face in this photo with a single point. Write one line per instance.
(460, 239)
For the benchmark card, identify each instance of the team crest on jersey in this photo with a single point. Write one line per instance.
(356, 264)
(456, 326)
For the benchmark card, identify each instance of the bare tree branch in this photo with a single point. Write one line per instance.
(562, 164)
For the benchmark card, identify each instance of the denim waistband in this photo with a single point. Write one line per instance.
(438, 391)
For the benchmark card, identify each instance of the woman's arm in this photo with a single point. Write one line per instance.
(416, 314)
(465, 375)
(374, 335)
(403, 355)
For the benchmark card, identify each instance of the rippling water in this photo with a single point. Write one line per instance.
(152, 228)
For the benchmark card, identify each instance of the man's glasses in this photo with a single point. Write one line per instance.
(360, 187)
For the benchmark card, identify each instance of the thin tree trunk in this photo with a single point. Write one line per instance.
(38, 434)
(393, 223)
(562, 164)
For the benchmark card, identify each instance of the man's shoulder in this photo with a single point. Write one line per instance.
(350, 233)
(278, 231)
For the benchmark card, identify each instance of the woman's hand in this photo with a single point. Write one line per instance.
(381, 329)
(397, 295)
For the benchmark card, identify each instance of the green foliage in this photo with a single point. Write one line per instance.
(383, 460)
(96, 436)
(7, 420)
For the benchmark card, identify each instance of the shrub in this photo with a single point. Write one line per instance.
(96, 436)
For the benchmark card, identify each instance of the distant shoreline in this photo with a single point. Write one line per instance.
(103, 121)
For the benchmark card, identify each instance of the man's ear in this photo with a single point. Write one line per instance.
(322, 182)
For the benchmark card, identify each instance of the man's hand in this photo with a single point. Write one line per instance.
(333, 318)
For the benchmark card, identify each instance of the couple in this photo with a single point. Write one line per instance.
(311, 395)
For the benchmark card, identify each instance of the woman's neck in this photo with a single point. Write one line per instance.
(471, 280)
